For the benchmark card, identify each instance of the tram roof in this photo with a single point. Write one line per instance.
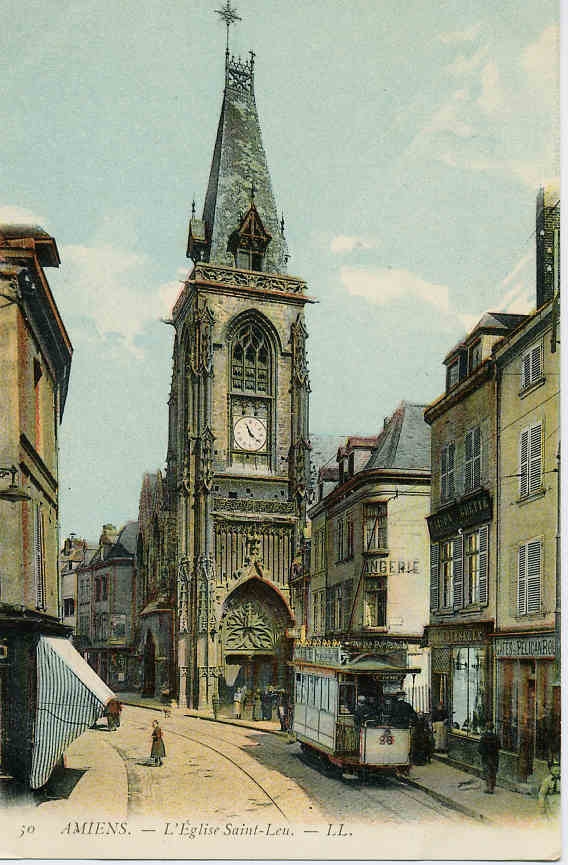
(362, 665)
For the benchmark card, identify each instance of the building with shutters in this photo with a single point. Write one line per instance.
(526, 647)
(463, 535)
(74, 553)
(494, 528)
(106, 605)
(368, 584)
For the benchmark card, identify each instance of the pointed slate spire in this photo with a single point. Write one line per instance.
(239, 164)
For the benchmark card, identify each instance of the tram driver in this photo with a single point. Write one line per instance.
(402, 713)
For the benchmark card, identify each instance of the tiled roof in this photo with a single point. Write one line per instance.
(405, 441)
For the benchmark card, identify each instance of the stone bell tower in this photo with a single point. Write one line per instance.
(238, 455)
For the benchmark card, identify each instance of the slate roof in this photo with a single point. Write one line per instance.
(238, 161)
(404, 442)
(324, 449)
(124, 546)
(495, 322)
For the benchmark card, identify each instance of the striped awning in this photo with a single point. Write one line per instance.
(70, 698)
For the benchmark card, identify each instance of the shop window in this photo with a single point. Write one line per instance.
(531, 367)
(529, 578)
(530, 459)
(375, 603)
(447, 467)
(472, 466)
(375, 526)
(469, 689)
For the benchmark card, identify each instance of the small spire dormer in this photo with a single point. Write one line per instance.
(248, 243)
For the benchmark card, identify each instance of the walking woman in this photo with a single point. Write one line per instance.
(158, 751)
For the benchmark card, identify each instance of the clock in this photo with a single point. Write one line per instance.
(250, 433)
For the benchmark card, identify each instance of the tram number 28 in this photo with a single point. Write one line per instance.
(387, 738)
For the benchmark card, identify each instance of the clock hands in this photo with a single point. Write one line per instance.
(252, 435)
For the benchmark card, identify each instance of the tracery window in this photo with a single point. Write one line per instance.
(250, 360)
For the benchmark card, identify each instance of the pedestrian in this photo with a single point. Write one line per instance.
(489, 746)
(158, 751)
(237, 702)
(440, 727)
(257, 707)
(266, 701)
(422, 743)
(402, 713)
(112, 712)
(283, 711)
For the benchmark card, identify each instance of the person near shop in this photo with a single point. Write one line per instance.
(158, 750)
(440, 727)
(402, 713)
(422, 741)
(489, 746)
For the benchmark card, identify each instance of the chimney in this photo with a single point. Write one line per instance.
(109, 534)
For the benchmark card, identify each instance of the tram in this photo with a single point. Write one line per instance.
(349, 711)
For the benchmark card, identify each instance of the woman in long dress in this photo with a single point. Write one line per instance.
(158, 751)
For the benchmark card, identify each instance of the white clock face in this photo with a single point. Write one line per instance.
(250, 433)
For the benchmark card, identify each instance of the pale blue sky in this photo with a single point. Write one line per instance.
(406, 142)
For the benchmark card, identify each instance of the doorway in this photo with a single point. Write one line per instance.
(149, 685)
(527, 720)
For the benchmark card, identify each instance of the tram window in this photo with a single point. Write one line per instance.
(304, 689)
(317, 691)
(333, 696)
(325, 695)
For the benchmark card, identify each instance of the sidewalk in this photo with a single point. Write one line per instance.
(466, 793)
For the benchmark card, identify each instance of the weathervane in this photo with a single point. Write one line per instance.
(229, 16)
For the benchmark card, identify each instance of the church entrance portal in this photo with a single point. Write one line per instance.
(255, 649)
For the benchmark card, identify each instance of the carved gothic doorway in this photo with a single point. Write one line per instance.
(254, 646)
(149, 686)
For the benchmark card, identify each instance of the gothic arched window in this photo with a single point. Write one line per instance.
(251, 360)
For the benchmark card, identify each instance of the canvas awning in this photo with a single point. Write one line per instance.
(70, 698)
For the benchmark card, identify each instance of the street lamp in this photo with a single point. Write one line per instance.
(13, 493)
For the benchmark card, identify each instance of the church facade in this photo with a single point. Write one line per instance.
(238, 448)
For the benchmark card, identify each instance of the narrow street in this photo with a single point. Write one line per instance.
(223, 773)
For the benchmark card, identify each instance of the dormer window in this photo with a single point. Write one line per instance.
(249, 242)
(475, 355)
(453, 374)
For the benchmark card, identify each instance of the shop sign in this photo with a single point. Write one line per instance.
(532, 647)
(384, 645)
(456, 636)
(381, 566)
(319, 654)
(469, 512)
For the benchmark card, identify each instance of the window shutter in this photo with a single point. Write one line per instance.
(524, 463)
(451, 456)
(347, 599)
(526, 370)
(444, 473)
(38, 558)
(434, 576)
(533, 576)
(468, 479)
(536, 366)
(535, 447)
(483, 563)
(458, 572)
(522, 582)
(329, 610)
(476, 454)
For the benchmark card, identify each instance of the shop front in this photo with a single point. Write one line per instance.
(461, 681)
(527, 702)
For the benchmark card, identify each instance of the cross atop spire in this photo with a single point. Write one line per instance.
(229, 16)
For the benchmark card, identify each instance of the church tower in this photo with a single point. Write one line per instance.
(238, 453)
